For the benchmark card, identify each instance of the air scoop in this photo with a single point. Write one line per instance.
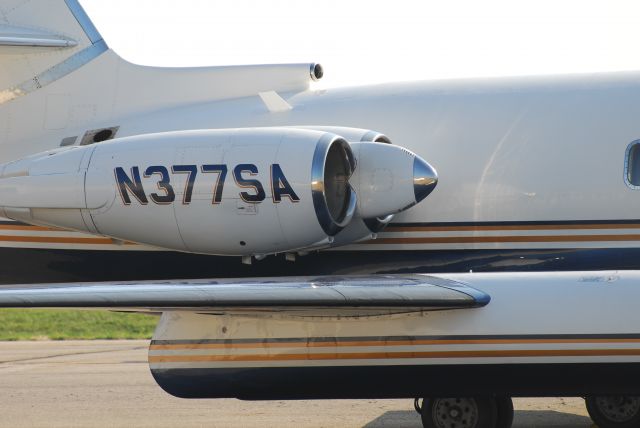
(389, 179)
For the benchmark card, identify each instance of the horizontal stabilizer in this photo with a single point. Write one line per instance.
(19, 37)
(42, 41)
(381, 291)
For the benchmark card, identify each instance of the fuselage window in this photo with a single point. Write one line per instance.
(632, 165)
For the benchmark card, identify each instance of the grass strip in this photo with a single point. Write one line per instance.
(62, 324)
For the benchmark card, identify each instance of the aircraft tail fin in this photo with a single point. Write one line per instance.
(42, 40)
(60, 83)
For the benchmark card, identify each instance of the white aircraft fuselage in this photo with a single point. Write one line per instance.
(524, 163)
(113, 171)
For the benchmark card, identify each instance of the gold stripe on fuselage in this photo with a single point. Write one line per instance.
(85, 239)
(337, 343)
(28, 227)
(503, 353)
(481, 228)
(505, 239)
(384, 238)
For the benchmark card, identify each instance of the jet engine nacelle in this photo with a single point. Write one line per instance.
(228, 192)
(373, 177)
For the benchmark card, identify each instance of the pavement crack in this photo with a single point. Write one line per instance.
(67, 354)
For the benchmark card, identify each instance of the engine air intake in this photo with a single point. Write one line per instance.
(333, 197)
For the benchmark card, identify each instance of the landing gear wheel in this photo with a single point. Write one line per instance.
(614, 411)
(461, 412)
(504, 407)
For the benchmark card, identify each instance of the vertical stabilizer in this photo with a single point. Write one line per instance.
(60, 84)
(42, 41)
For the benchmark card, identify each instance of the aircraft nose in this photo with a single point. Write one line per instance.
(425, 178)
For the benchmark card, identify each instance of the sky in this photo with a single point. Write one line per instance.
(371, 41)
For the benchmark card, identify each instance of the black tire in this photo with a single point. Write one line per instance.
(459, 412)
(614, 411)
(504, 407)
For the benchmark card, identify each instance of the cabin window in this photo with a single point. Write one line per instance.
(632, 165)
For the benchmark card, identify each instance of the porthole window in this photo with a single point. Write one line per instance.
(632, 165)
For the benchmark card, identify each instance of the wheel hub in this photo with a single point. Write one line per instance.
(619, 408)
(455, 413)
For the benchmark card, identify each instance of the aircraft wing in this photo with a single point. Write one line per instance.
(420, 292)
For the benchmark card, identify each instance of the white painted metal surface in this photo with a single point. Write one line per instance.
(229, 192)
(532, 318)
(518, 149)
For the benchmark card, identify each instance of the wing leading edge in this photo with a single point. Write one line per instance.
(380, 291)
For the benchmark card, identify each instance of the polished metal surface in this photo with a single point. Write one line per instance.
(376, 225)
(329, 223)
(425, 178)
(36, 41)
(375, 137)
(317, 185)
(84, 21)
(351, 208)
(385, 220)
(377, 291)
(54, 73)
(316, 71)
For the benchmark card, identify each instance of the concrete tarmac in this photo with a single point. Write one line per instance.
(108, 384)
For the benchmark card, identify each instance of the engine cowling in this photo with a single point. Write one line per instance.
(228, 192)
(373, 165)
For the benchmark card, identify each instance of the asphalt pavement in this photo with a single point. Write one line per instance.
(108, 384)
